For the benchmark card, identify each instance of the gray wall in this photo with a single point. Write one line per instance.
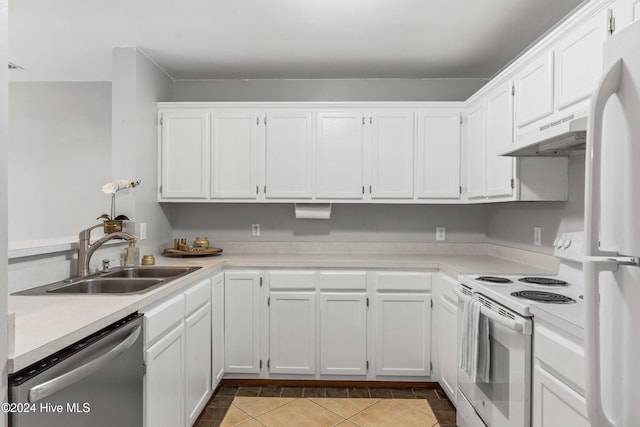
(327, 90)
(348, 223)
(59, 157)
(511, 224)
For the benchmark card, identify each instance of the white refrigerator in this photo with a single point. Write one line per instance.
(612, 238)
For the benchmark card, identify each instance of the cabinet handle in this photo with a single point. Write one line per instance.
(363, 121)
(369, 189)
(256, 189)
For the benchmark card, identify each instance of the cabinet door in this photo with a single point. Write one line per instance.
(185, 155)
(339, 153)
(578, 59)
(438, 158)
(392, 143)
(555, 404)
(198, 362)
(163, 383)
(499, 125)
(403, 334)
(292, 333)
(242, 322)
(217, 330)
(234, 155)
(449, 346)
(534, 91)
(343, 333)
(289, 155)
(475, 147)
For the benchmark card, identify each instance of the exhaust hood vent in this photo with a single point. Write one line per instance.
(559, 138)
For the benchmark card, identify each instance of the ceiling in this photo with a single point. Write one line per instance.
(71, 40)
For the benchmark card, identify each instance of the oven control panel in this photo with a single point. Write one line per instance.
(569, 246)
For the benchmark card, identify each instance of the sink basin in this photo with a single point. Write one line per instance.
(151, 272)
(120, 280)
(105, 286)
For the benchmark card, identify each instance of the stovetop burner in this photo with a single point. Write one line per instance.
(493, 279)
(542, 296)
(544, 281)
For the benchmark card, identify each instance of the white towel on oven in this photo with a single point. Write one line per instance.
(474, 350)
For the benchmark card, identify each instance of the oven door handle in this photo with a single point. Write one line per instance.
(54, 385)
(521, 325)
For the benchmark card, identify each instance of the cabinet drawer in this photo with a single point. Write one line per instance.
(561, 354)
(448, 285)
(162, 317)
(197, 296)
(403, 282)
(337, 281)
(292, 280)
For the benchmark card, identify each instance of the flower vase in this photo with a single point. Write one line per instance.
(112, 226)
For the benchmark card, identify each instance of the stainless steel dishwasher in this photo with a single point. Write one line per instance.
(97, 382)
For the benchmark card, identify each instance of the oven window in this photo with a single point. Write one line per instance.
(497, 389)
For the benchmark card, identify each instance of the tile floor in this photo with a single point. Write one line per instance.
(327, 406)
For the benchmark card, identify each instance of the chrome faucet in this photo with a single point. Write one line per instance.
(86, 248)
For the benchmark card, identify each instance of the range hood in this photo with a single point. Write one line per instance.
(559, 138)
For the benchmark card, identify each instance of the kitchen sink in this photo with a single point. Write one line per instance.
(152, 272)
(105, 286)
(120, 280)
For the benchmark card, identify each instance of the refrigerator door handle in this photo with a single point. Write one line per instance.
(608, 85)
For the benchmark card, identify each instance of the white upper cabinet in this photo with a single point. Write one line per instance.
(578, 61)
(184, 154)
(234, 154)
(392, 145)
(475, 148)
(499, 135)
(289, 155)
(625, 12)
(438, 155)
(339, 155)
(534, 91)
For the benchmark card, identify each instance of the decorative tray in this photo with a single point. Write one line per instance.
(199, 252)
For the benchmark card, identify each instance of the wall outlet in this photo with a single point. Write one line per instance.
(255, 230)
(537, 236)
(143, 230)
(441, 233)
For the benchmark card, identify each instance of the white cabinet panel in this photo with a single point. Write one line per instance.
(578, 59)
(242, 322)
(217, 330)
(499, 126)
(449, 346)
(163, 381)
(392, 145)
(534, 91)
(292, 333)
(438, 155)
(184, 155)
(475, 150)
(289, 155)
(403, 334)
(343, 333)
(234, 155)
(198, 361)
(555, 404)
(339, 155)
(635, 10)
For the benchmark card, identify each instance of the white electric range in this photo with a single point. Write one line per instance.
(507, 302)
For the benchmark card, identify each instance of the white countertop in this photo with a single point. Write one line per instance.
(568, 317)
(46, 324)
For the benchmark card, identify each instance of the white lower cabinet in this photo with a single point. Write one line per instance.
(558, 378)
(163, 381)
(448, 336)
(403, 324)
(177, 354)
(343, 322)
(242, 322)
(292, 332)
(217, 330)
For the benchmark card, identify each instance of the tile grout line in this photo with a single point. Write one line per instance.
(270, 410)
(432, 414)
(343, 418)
(327, 409)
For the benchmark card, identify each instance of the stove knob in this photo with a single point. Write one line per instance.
(566, 243)
(555, 242)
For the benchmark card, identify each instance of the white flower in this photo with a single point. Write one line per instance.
(109, 188)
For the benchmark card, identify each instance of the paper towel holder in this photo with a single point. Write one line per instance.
(312, 210)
